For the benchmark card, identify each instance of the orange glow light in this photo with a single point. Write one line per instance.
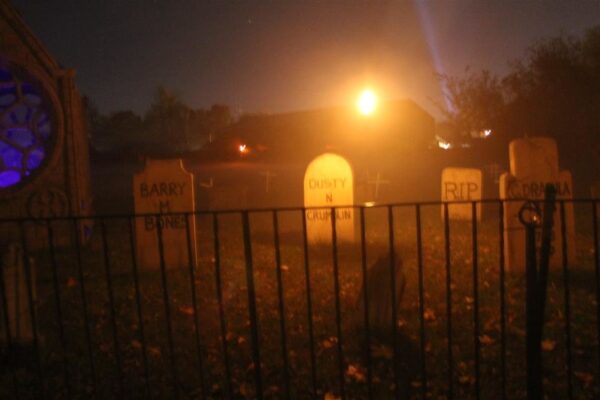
(366, 104)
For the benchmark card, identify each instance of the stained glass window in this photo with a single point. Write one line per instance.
(26, 129)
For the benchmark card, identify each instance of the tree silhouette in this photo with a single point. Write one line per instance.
(167, 119)
(554, 91)
(168, 127)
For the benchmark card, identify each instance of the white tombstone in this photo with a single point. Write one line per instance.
(533, 164)
(164, 187)
(461, 184)
(328, 182)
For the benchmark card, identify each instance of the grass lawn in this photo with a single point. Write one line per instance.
(414, 355)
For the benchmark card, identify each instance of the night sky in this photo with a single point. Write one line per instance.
(262, 56)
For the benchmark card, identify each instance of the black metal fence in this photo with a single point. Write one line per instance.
(265, 313)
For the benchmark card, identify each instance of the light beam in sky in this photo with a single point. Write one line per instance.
(427, 27)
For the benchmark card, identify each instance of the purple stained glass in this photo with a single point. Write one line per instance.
(43, 125)
(35, 158)
(9, 178)
(11, 157)
(21, 115)
(5, 75)
(8, 96)
(23, 137)
(26, 129)
(31, 96)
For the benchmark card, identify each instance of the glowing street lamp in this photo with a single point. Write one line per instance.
(366, 104)
(243, 149)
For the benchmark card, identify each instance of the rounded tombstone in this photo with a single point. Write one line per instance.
(329, 184)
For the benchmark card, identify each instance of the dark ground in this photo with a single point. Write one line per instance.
(434, 348)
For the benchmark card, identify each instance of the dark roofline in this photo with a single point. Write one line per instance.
(329, 109)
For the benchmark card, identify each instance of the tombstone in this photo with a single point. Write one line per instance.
(461, 184)
(533, 164)
(44, 160)
(164, 187)
(328, 182)
(16, 297)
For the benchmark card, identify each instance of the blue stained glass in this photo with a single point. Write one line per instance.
(31, 96)
(9, 178)
(11, 157)
(25, 127)
(44, 129)
(28, 88)
(32, 99)
(21, 114)
(35, 158)
(42, 118)
(5, 75)
(8, 96)
(6, 120)
(21, 136)
(7, 99)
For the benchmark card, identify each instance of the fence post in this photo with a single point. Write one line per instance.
(530, 216)
(545, 248)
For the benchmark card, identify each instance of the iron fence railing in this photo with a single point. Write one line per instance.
(263, 312)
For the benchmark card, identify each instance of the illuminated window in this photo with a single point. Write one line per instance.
(26, 133)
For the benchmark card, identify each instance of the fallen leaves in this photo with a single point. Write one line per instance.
(237, 325)
(466, 379)
(329, 342)
(585, 377)
(548, 345)
(486, 340)
(330, 396)
(187, 310)
(356, 373)
(154, 351)
(429, 315)
(71, 282)
(244, 390)
(382, 351)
